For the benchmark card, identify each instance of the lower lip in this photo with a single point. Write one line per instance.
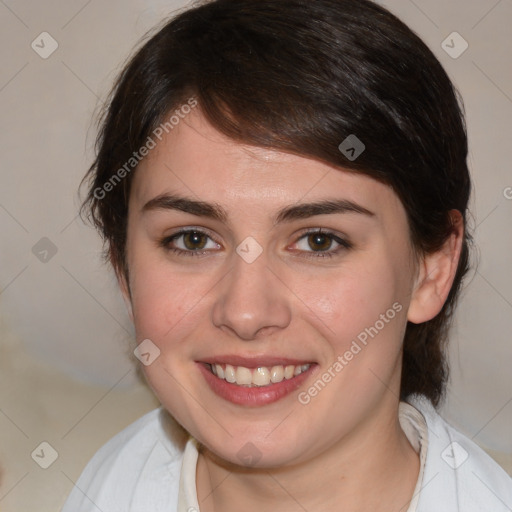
(254, 396)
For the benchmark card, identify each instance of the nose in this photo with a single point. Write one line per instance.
(252, 301)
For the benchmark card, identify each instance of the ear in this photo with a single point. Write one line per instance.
(125, 291)
(436, 274)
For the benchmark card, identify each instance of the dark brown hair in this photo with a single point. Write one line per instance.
(300, 76)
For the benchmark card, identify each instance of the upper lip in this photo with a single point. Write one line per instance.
(255, 361)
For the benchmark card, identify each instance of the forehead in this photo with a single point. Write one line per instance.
(196, 160)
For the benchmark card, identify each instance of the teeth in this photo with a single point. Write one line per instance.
(229, 373)
(262, 376)
(277, 374)
(243, 376)
(289, 371)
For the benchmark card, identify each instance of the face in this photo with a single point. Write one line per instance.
(289, 277)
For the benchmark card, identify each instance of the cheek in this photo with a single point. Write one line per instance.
(346, 302)
(361, 314)
(163, 299)
(164, 306)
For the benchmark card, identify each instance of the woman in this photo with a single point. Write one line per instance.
(282, 187)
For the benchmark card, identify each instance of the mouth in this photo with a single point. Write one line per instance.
(254, 383)
(257, 377)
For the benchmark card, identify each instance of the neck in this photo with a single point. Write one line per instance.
(375, 469)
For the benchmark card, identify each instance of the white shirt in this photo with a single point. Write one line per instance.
(148, 468)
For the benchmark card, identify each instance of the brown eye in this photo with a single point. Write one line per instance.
(189, 242)
(322, 244)
(194, 240)
(319, 241)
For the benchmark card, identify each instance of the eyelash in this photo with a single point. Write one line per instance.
(344, 244)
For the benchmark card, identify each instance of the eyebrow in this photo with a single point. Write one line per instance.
(289, 213)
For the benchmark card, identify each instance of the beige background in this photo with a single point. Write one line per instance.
(65, 373)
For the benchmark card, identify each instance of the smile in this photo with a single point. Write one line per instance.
(256, 384)
(261, 376)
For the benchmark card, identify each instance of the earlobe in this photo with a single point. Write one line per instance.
(436, 274)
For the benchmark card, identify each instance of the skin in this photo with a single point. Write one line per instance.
(346, 445)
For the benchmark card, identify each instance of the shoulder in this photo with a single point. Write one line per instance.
(459, 475)
(138, 469)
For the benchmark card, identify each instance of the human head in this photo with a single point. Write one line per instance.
(300, 77)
